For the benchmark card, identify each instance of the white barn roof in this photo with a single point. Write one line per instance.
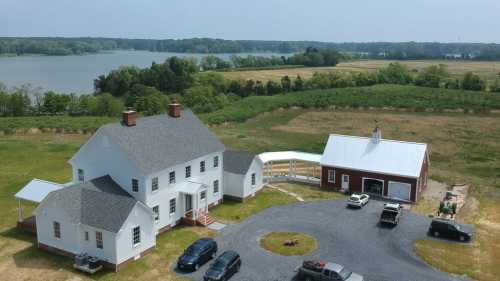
(36, 190)
(289, 155)
(390, 157)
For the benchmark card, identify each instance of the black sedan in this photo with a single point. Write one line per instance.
(449, 229)
(197, 254)
(225, 266)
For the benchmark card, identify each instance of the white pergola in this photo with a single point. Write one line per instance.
(35, 191)
(268, 158)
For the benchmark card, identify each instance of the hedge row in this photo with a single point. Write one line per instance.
(378, 96)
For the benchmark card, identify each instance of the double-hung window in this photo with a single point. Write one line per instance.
(253, 179)
(202, 166)
(216, 186)
(86, 236)
(136, 236)
(216, 161)
(203, 195)
(171, 177)
(98, 240)
(172, 206)
(154, 184)
(81, 175)
(57, 230)
(135, 185)
(188, 172)
(156, 211)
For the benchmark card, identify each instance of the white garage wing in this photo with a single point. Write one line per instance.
(399, 190)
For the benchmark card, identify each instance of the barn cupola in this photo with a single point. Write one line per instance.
(129, 117)
(174, 109)
(376, 135)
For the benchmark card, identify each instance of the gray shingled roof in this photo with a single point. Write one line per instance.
(237, 162)
(100, 203)
(161, 141)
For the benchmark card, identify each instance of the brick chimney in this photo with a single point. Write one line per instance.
(129, 117)
(174, 109)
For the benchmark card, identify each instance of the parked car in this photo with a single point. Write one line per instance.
(358, 200)
(224, 267)
(326, 271)
(197, 254)
(391, 213)
(449, 229)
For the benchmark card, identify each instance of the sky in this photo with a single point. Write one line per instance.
(319, 20)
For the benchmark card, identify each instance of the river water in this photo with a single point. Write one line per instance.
(75, 74)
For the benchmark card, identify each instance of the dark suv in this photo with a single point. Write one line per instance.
(225, 266)
(197, 254)
(449, 229)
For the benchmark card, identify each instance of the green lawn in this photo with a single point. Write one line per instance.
(311, 192)
(233, 211)
(275, 242)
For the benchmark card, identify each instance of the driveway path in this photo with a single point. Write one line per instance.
(346, 236)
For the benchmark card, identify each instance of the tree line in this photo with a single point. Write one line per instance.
(149, 90)
(387, 50)
(312, 57)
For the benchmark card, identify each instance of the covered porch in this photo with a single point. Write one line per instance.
(291, 166)
(195, 204)
(33, 192)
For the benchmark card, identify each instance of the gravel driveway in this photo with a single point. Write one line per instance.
(346, 236)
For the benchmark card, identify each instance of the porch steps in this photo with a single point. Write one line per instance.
(204, 219)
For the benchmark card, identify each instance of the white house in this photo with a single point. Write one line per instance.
(242, 175)
(133, 180)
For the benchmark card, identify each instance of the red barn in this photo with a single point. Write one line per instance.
(386, 168)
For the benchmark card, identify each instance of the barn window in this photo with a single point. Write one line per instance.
(136, 235)
(98, 240)
(154, 184)
(135, 185)
(331, 176)
(57, 230)
(81, 175)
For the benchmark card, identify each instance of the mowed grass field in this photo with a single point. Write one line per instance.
(487, 70)
(464, 148)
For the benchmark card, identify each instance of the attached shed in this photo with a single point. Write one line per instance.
(97, 218)
(386, 168)
(242, 175)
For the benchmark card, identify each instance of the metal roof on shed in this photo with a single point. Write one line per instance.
(390, 157)
(36, 190)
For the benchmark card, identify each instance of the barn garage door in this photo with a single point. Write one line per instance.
(399, 190)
